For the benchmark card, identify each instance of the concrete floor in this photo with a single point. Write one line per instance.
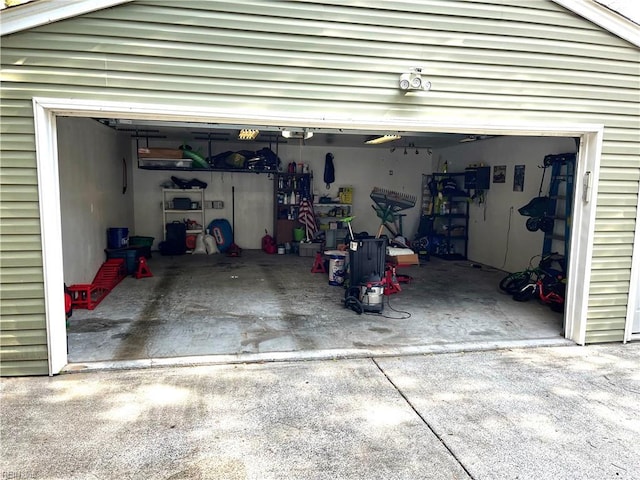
(270, 307)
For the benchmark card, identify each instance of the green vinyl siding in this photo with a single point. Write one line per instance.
(493, 59)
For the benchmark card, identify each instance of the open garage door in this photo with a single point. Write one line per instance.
(380, 175)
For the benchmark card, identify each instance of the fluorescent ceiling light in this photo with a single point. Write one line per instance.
(303, 134)
(248, 134)
(474, 138)
(382, 139)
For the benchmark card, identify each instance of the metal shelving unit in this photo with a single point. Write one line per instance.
(195, 211)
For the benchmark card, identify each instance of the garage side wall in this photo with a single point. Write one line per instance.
(95, 193)
(495, 61)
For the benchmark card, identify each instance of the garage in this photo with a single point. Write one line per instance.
(256, 306)
(81, 111)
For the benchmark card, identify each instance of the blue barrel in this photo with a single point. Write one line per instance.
(117, 237)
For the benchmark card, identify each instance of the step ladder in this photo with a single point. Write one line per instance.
(561, 197)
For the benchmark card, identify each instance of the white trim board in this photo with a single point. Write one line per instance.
(43, 12)
(634, 283)
(46, 110)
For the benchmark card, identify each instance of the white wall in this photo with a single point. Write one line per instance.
(91, 180)
(489, 223)
(362, 168)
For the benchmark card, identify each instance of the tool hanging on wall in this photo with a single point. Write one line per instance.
(329, 170)
(124, 175)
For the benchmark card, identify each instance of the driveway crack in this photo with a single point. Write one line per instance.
(423, 419)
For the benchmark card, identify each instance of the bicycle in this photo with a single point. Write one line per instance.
(515, 282)
(550, 289)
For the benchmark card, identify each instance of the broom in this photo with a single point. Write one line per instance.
(234, 250)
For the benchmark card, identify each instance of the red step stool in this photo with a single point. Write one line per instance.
(143, 269)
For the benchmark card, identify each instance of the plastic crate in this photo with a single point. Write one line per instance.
(137, 241)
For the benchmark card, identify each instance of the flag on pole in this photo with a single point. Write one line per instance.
(307, 218)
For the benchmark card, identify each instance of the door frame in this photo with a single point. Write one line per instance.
(47, 109)
(633, 305)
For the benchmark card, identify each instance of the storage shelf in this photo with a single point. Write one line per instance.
(195, 169)
(170, 214)
(450, 215)
(286, 212)
(439, 226)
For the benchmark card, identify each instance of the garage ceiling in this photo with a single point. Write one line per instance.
(321, 137)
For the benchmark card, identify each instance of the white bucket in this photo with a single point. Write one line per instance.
(336, 267)
(280, 249)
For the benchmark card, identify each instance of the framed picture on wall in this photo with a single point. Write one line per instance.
(518, 178)
(499, 174)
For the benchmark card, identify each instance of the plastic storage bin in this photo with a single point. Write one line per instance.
(130, 256)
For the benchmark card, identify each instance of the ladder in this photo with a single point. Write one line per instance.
(562, 175)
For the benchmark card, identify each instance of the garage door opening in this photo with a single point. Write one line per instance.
(230, 294)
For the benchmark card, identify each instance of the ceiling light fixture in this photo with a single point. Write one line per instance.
(248, 134)
(302, 134)
(382, 139)
(474, 138)
(414, 81)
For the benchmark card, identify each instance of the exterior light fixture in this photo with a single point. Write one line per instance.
(414, 81)
(382, 139)
(248, 134)
(302, 134)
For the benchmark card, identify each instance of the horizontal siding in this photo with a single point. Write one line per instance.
(21, 338)
(23, 368)
(500, 59)
(19, 210)
(23, 306)
(22, 290)
(603, 276)
(20, 275)
(19, 193)
(22, 259)
(14, 353)
(19, 243)
(604, 336)
(21, 322)
(18, 176)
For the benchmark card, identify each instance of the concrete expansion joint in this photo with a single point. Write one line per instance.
(423, 419)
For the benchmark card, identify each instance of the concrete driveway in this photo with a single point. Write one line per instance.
(545, 413)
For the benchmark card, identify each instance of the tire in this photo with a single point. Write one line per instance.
(546, 224)
(354, 304)
(526, 293)
(557, 307)
(533, 224)
(514, 282)
(351, 292)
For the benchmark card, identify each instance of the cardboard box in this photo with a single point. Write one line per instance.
(172, 153)
(410, 259)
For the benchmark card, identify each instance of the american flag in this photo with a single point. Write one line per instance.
(307, 218)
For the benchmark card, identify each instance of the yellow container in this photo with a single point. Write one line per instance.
(345, 194)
